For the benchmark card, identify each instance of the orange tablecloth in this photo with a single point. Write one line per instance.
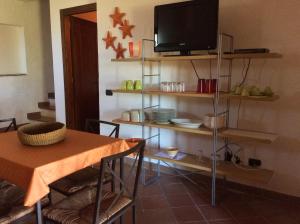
(34, 168)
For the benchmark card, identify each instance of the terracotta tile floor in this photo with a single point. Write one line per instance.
(173, 200)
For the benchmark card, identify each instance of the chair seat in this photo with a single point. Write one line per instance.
(11, 203)
(75, 182)
(79, 208)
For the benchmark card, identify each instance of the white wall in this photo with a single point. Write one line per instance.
(58, 69)
(20, 95)
(255, 23)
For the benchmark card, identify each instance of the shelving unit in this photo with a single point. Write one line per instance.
(226, 134)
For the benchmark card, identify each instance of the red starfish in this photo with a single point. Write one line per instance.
(120, 51)
(117, 17)
(109, 40)
(126, 28)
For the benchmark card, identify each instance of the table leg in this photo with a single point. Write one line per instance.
(38, 212)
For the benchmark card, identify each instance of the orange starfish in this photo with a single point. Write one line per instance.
(126, 29)
(109, 40)
(117, 17)
(120, 51)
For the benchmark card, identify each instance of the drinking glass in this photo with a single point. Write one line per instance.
(138, 85)
(129, 85)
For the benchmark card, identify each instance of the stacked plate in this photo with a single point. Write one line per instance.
(163, 116)
(187, 123)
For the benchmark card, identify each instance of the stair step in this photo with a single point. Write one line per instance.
(37, 116)
(46, 106)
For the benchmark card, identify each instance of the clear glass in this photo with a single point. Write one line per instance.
(163, 86)
(182, 87)
(178, 87)
(200, 155)
(169, 87)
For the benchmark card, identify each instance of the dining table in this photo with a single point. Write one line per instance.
(34, 168)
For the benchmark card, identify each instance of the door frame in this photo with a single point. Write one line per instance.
(65, 15)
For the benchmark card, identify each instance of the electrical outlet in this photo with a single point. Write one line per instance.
(254, 162)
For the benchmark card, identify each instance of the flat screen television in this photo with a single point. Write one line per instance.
(186, 26)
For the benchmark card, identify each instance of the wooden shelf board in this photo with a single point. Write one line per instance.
(196, 95)
(199, 131)
(230, 133)
(223, 168)
(251, 135)
(157, 92)
(201, 57)
(253, 98)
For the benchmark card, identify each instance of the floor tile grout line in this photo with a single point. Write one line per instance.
(195, 204)
(164, 195)
(230, 213)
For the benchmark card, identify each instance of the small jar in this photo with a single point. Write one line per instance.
(182, 87)
(173, 86)
(178, 87)
(163, 86)
(168, 87)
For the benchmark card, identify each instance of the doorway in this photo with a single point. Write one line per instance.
(80, 57)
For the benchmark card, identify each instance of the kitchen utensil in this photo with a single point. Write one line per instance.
(138, 85)
(210, 121)
(135, 115)
(187, 123)
(163, 115)
(42, 133)
(172, 151)
(129, 85)
(125, 116)
(124, 85)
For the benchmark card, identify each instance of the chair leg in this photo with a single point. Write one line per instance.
(113, 186)
(133, 214)
(121, 219)
(50, 197)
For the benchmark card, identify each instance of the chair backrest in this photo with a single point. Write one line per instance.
(93, 126)
(132, 174)
(11, 124)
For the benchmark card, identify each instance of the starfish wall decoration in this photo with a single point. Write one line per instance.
(126, 29)
(120, 51)
(117, 17)
(109, 40)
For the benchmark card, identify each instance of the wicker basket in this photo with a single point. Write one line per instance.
(42, 133)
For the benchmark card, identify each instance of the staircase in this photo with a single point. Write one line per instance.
(47, 113)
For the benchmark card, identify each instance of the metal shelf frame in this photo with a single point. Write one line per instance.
(216, 102)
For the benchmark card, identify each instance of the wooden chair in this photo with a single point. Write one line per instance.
(98, 206)
(11, 203)
(11, 196)
(88, 176)
(12, 124)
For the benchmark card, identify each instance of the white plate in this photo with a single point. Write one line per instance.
(187, 123)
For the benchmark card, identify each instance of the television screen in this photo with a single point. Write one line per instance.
(186, 26)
